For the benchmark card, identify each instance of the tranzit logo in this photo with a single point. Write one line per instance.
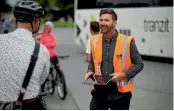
(156, 25)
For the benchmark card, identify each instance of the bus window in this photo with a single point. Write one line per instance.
(82, 4)
(150, 21)
(165, 2)
(155, 3)
(86, 4)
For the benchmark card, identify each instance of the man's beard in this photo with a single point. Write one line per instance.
(37, 29)
(105, 29)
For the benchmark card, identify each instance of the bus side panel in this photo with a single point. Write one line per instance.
(152, 28)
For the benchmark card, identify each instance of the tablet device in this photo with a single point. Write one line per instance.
(92, 80)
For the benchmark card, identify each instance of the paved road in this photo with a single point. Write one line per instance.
(55, 103)
(153, 86)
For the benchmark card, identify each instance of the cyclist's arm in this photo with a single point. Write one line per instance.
(37, 37)
(53, 44)
(42, 41)
(46, 68)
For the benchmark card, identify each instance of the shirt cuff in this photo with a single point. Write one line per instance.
(90, 70)
(128, 75)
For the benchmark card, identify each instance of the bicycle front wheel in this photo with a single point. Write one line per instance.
(49, 86)
(61, 85)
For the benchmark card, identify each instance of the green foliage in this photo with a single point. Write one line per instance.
(57, 3)
(64, 24)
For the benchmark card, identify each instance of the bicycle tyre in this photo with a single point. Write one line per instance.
(46, 86)
(61, 86)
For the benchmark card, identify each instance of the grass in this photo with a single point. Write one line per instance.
(65, 24)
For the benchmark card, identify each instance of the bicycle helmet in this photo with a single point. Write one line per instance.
(50, 23)
(28, 10)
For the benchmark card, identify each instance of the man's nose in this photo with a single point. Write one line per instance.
(102, 23)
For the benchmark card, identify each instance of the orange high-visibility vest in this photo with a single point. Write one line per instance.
(121, 59)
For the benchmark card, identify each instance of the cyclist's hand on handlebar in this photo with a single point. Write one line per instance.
(88, 75)
(37, 36)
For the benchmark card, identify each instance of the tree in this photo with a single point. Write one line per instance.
(4, 7)
(58, 8)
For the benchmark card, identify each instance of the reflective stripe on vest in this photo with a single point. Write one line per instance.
(124, 83)
(94, 45)
(125, 38)
(95, 40)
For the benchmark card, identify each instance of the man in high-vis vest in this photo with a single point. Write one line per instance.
(113, 56)
(94, 29)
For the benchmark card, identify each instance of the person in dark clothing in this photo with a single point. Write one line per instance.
(6, 25)
(109, 96)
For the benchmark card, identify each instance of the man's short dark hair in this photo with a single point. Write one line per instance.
(109, 11)
(94, 25)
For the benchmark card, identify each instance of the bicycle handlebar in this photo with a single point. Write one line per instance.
(65, 57)
(43, 94)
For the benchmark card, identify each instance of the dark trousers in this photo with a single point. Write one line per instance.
(5, 31)
(55, 61)
(38, 104)
(113, 102)
(31, 104)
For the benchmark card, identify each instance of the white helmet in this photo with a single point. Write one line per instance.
(50, 23)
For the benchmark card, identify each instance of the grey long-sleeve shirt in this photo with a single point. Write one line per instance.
(16, 49)
(107, 67)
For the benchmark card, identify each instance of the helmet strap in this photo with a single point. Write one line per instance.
(37, 28)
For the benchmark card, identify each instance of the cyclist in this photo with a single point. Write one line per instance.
(16, 50)
(49, 41)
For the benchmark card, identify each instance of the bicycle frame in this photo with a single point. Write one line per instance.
(57, 79)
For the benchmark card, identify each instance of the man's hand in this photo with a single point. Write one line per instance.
(117, 76)
(88, 74)
(37, 36)
(91, 87)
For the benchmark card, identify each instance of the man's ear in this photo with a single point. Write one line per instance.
(115, 22)
(34, 21)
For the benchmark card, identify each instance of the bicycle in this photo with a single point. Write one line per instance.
(56, 79)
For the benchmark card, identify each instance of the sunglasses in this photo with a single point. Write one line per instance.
(109, 11)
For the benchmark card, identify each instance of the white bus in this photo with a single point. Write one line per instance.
(149, 21)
